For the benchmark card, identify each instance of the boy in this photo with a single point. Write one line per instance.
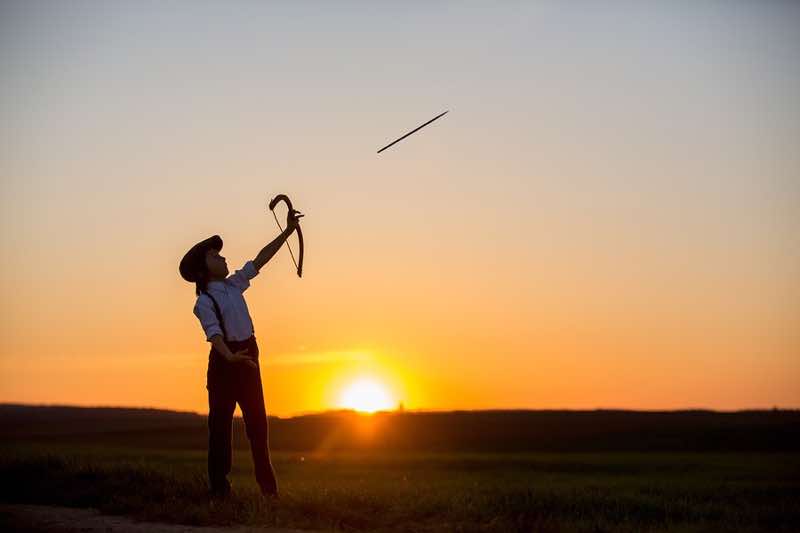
(233, 370)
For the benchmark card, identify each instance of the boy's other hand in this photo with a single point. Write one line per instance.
(242, 357)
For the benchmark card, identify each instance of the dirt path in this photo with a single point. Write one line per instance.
(68, 520)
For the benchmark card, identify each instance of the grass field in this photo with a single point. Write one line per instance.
(424, 492)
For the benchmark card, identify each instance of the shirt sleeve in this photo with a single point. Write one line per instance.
(204, 311)
(241, 278)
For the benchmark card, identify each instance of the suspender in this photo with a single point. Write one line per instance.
(218, 312)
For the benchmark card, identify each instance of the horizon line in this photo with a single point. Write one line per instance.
(418, 411)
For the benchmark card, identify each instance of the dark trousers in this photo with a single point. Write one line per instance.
(227, 384)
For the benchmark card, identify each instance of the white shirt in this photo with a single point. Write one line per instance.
(229, 297)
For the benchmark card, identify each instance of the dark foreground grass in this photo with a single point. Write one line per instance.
(416, 492)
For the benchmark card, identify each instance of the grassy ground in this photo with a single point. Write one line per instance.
(416, 492)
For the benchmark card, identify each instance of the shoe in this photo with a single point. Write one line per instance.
(270, 494)
(220, 494)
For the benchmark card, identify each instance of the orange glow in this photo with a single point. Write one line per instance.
(554, 242)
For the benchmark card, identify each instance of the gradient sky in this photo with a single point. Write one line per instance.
(609, 216)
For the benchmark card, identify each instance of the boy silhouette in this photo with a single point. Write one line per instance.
(233, 374)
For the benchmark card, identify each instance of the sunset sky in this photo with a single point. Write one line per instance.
(609, 216)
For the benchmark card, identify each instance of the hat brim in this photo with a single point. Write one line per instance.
(194, 262)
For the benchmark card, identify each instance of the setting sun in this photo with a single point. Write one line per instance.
(366, 395)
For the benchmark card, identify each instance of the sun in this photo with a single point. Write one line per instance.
(365, 395)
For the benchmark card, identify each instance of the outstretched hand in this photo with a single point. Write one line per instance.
(293, 219)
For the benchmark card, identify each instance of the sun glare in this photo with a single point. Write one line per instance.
(365, 395)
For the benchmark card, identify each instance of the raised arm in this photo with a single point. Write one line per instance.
(272, 248)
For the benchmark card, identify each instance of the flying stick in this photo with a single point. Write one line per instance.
(412, 131)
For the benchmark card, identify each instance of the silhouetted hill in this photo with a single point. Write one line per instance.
(35, 420)
(484, 431)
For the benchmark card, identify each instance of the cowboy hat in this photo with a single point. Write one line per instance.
(194, 262)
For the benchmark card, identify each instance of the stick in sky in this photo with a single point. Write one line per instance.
(412, 131)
